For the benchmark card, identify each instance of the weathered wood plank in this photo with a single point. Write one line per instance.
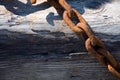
(36, 44)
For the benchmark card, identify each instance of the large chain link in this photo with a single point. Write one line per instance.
(33, 1)
(93, 44)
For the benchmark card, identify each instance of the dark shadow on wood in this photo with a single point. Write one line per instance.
(23, 9)
(47, 44)
(111, 41)
(51, 18)
(44, 43)
(96, 4)
(20, 8)
(91, 4)
(20, 51)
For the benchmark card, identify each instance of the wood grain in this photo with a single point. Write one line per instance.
(36, 44)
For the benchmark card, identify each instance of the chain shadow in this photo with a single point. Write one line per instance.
(80, 6)
(51, 17)
(96, 4)
(23, 9)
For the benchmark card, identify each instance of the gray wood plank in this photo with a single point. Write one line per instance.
(36, 44)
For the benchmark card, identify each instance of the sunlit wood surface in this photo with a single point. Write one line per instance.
(36, 44)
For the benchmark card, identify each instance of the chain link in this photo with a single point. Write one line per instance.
(32, 1)
(93, 44)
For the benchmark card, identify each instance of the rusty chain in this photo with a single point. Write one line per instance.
(93, 44)
(33, 1)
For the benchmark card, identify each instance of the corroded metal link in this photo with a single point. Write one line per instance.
(82, 26)
(103, 52)
(67, 7)
(105, 58)
(70, 23)
(110, 59)
(32, 1)
(91, 49)
(114, 71)
(92, 43)
(56, 5)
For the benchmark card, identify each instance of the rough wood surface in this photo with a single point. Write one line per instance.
(36, 44)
